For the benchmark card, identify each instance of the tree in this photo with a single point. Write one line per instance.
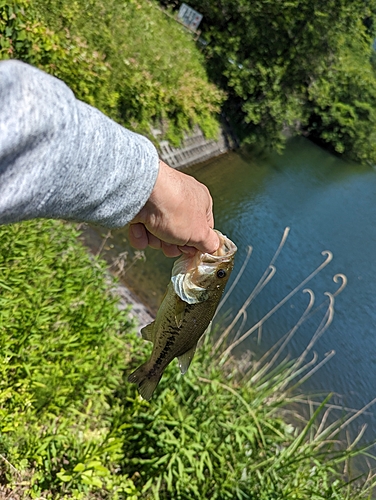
(272, 58)
(342, 102)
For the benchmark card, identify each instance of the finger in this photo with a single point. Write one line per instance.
(137, 236)
(187, 250)
(154, 242)
(170, 250)
(209, 244)
(209, 214)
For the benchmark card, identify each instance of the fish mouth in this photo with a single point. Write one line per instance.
(188, 270)
(225, 252)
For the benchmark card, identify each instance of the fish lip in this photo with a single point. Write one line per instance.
(186, 263)
(203, 263)
(229, 248)
(210, 258)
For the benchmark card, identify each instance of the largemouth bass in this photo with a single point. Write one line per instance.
(192, 297)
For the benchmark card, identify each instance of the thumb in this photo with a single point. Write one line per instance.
(210, 243)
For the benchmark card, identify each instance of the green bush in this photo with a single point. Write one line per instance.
(24, 37)
(343, 102)
(126, 58)
(62, 354)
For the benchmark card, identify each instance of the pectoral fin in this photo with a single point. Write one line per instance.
(180, 308)
(147, 332)
(185, 359)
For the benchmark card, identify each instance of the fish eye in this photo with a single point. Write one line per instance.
(221, 273)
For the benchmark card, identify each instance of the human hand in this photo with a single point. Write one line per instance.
(177, 218)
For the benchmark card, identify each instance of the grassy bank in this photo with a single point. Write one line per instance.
(72, 427)
(126, 58)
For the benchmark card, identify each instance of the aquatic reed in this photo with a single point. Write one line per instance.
(228, 432)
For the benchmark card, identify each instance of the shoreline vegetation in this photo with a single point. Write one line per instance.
(72, 427)
(302, 66)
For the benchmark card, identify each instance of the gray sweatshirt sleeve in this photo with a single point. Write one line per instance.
(61, 158)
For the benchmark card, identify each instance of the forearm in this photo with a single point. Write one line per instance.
(60, 158)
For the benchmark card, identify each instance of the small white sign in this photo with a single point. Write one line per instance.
(189, 17)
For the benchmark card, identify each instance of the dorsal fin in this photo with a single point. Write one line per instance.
(186, 358)
(147, 332)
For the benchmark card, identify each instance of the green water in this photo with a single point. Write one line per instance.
(329, 205)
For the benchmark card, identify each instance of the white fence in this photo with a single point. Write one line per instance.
(195, 148)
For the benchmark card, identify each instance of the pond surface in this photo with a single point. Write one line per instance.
(329, 205)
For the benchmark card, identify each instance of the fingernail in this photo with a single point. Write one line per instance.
(137, 230)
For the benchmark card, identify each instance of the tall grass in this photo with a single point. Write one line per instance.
(233, 431)
(72, 427)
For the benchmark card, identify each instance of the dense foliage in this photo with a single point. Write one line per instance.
(62, 352)
(301, 66)
(126, 58)
(72, 427)
(289, 67)
(342, 102)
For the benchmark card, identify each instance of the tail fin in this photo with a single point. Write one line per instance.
(146, 384)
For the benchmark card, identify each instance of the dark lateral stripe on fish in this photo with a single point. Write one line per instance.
(170, 342)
